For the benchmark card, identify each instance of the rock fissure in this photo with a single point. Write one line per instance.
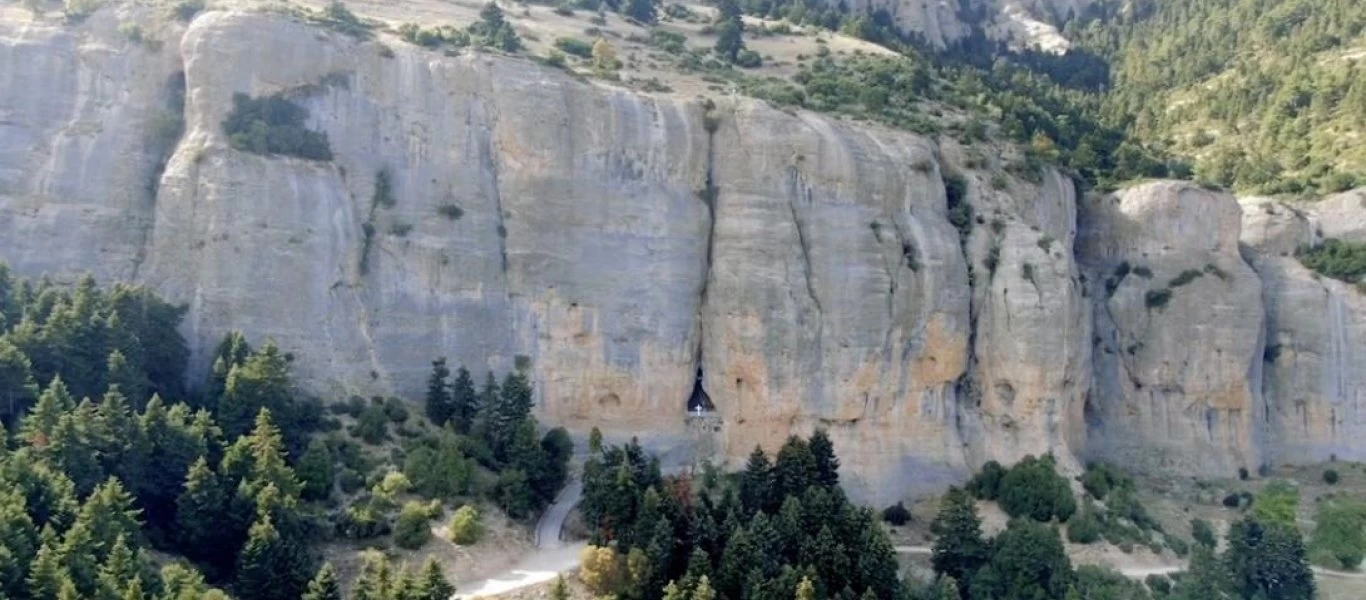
(800, 190)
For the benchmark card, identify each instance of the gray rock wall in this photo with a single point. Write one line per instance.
(614, 244)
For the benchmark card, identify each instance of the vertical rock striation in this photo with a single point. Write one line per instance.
(1178, 331)
(614, 244)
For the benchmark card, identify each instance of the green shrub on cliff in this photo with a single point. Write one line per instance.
(1341, 260)
(273, 125)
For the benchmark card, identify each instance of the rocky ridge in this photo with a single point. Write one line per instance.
(614, 243)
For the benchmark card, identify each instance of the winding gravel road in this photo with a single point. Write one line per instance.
(551, 557)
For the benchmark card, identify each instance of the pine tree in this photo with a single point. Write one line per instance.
(433, 584)
(17, 387)
(262, 382)
(325, 586)
(794, 470)
(1268, 560)
(122, 376)
(199, 509)
(959, 548)
(827, 464)
(316, 471)
(41, 422)
(256, 575)
(704, 591)
(440, 408)
(756, 482)
(109, 514)
(806, 590)
(464, 401)
(46, 575)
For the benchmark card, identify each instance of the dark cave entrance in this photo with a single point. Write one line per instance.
(699, 402)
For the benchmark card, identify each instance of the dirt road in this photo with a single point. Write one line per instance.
(552, 555)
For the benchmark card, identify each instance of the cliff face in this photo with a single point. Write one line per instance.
(1178, 339)
(1315, 331)
(613, 244)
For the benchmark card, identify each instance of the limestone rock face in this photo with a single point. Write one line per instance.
(79, 117)
(615, 245)
(837, 296)
(611, 243)
(1031, 370)
(1316, 331)
(1178, 331)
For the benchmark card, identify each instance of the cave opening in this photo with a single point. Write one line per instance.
(699, 403)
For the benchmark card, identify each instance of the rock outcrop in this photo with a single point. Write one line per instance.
(1178, 331)
(613, 244)
(1315, 331)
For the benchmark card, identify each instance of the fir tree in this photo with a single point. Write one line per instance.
(199, 509)
(129, 381)
(256, 575)
(826, 463)
(17, 388)
(794, 470)
(464, 401)
(41, 422)
(756, 482)
(262, 382)
(46, 575)
(440, 408)
(325, 586)
(959, 548)
(433, 584)
(316, 471)
(109, 514)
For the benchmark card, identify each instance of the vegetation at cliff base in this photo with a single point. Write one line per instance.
(121, 482)
(781, 526)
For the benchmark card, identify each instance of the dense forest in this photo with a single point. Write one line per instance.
(242, 478)
(1262, 96)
